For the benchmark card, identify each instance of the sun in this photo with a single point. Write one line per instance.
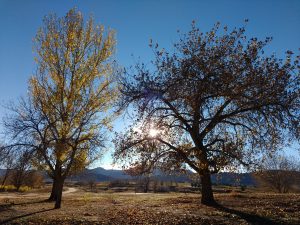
(153, 132)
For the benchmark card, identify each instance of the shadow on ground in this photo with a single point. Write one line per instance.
(8, 206)
(250, 218)
(23, 216)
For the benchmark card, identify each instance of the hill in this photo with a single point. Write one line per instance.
(100, 174)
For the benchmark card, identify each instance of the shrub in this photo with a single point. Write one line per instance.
(7, 188)
(243, 187)
(172, 188)
(162, 189)
(24, 189)
(118, 183)
(11, 188)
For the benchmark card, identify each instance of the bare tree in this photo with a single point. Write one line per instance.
(142, 176)
(279, 173)
(92, 184)
(21, 170)
(69, 107)
(35, 179)
(214, 102)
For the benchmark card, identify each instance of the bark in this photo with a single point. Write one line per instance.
(146, 182)
(18, 187)
(54, 191)
(207, 197)
(59, 189)
(18, 179)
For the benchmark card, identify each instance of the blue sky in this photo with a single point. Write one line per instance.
(136, 21)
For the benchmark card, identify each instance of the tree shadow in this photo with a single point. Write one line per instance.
(250, 218)
(30, 203)
(23, 216)
(8, 205)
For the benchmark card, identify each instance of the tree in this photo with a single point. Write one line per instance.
(279, 173)
(34, 179)
(18, 170)
(214, 103)
(21, 170)
(92, 184)
(69, 107)
(142, 175)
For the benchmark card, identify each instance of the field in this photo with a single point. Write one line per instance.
(82, 207)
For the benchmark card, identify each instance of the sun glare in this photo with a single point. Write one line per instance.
(153, 132)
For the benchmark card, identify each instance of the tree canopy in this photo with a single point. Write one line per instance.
(70, 99)
(216, 101)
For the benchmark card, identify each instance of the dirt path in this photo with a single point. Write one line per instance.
(70, 190)
(30, 195)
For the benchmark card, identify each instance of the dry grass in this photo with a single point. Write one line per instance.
(169, 208)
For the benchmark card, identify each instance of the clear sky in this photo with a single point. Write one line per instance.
(136, 21)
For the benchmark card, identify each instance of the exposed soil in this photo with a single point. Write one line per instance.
(81, 207)
(13, 195)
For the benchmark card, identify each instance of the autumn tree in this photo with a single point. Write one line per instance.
(214, 102)
(69, 107)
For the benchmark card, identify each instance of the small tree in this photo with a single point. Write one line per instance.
(155, 185)
(279, 173)
(142, 175)
(92, 184)
(21, 170)
(215, 102)
(65, 117)
(34, 179)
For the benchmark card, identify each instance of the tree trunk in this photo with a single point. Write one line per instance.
(54, 191)
(59, 189)
(207, 197)
(18, 187)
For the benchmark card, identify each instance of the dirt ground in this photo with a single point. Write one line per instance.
(80, 207)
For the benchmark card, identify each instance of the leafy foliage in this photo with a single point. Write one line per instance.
(217, 101)
(69, 107)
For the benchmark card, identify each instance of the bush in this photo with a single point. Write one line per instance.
(162, 189)
(11, 188)
(8, 188)
(243, 187)
(118, 183)
(24, 189)
(196, 184)
(172, 188)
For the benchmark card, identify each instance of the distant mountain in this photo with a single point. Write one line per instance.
(233, 179)
(100, 174)
(114, 174)
(88, 175)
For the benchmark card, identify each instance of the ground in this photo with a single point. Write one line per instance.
(82, 207)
